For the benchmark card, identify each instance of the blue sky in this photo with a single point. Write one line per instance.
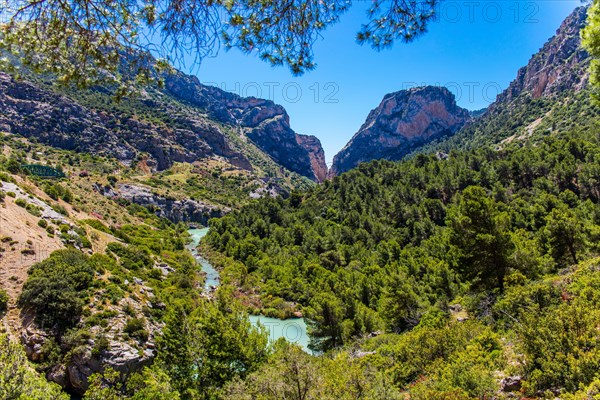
(475, 49)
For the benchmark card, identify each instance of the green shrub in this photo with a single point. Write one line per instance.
(129, 310)
(135, 328)
(60, 209)
(100, 346)
(21, 203)
(112, 180)
(56, 191)
(101, 318)
(42, 223)
(6, 178)
(56, 287)
(114, 293)
(560, 342)
(33, 210)
(85, 242)
(94, 223)
(3, 301)
(11, 194)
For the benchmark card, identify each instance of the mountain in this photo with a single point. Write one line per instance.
(549, 94)
(403, 121)
(559, 66)
(184, 121)
(262, 121)
(317, 156)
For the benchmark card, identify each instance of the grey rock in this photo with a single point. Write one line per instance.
(58, 374)
(316, 154)
(511, 384)
(265, 123)
(361, 354)
(184, 210)
(32, 340)
(79, 370)
(561, 64)
(166, 269)
(455, 307)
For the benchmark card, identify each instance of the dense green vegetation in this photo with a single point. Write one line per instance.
(526, 120)
(55, 288)
(379, 246)
(3, 301)
(435, 277)
(389, 246)
(18, 381)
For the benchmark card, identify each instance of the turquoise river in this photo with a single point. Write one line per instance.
(293, 329)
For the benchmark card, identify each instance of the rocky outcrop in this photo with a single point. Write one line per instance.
(268, 188)
(511, 384)
(184, 210)
(403, 121)
(182, 122)
(59, 121)
(560, 65)
(118, 352)
(317, 156)
(553, 77)
(267, 124)
(121, 356)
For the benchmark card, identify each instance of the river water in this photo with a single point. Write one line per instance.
(293, 329)
(212, 275)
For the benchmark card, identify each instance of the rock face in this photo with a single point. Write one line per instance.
(554, 76)
(511, 384)
(185, 210)
(58, 121)
(264, 122)
(316, 154)
(120, 353)
(403, 121)
(561, 64)
(183, 122)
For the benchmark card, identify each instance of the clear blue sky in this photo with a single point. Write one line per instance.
(475, 49)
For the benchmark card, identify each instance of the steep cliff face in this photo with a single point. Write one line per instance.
(403, 121)
(267, 124)
(560, 65)
(183, 122)
(59, 121)
(317, 156)
(549, 93)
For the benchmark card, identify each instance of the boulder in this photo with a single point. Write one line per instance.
(511, 384)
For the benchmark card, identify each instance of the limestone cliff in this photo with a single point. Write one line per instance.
(403, 121)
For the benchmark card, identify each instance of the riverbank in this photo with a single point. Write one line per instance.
(281, 320)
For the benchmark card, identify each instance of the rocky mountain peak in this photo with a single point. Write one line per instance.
(402, 121)
(267, 124)
(561, 64)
